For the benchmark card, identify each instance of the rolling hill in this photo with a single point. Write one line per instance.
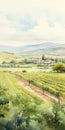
(33, 49)
(8, 56)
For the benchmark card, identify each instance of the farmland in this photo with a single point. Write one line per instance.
(13, 99)
(51, 82)
(21, 109)
(18, 103)
(32, 65)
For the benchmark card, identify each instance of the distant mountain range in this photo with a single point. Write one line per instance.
(42, 48)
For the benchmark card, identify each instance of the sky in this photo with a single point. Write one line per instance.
(25, 22)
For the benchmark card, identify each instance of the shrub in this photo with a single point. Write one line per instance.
(24, 71)
(59, 67)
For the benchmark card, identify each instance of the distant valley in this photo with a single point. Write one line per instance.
(47, 48)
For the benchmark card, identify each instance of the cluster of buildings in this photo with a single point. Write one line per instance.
(45, 61)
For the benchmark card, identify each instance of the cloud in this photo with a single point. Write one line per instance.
(32, 21)
(43, 32)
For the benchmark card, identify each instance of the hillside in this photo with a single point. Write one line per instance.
(45, 48)
(6, 56)
(33, 49)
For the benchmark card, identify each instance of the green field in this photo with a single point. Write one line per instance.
(51, 82)
(16, 102)
(20, 109)
(8, 57)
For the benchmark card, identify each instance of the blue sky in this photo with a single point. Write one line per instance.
(32, 21)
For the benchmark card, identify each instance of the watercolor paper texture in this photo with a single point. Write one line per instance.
(32, 64)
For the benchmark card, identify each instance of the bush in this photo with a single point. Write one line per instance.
(3, 102)
(24, 71)
(59, 67)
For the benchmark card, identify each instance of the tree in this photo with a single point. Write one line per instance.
(4, 62)
(59, 67)
(56, 60)
(12, 62)
(43, 57)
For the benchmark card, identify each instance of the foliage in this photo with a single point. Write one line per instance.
(59, 67)
(22, 110)
(43, 57)
(24, 71)
(51, 82)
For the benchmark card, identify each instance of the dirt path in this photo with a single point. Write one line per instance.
(34, 91)
(37, 91)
